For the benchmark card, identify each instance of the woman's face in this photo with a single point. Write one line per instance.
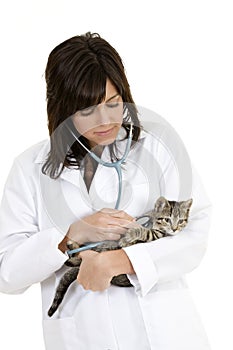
(100, 124)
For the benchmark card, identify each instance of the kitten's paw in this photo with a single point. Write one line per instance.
(132, 236)
(72, 245)
(121, 281)
(128, 238)
(74, 261)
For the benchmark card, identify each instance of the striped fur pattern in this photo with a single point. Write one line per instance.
(167, 219)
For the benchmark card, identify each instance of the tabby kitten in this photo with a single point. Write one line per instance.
(166, 219)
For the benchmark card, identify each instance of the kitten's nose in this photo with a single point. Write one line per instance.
(174, 229)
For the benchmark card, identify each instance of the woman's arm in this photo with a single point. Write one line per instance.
(97, 269)
(27, 255)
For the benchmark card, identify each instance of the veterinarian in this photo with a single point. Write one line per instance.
(57, 191)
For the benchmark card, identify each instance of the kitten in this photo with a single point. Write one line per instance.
(166, 219)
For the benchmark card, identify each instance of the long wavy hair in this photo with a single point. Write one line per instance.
(76, 75)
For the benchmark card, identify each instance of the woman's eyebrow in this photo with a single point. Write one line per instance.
(110, 98)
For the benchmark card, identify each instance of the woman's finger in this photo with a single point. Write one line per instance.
(117, 213)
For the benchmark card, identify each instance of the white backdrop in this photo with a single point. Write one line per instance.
(178, 57)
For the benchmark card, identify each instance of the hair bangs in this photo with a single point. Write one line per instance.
(92, 88)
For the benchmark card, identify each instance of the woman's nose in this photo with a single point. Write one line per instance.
(103, 115)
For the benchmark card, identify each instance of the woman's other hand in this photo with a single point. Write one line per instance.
(106, 224)
(97, 269)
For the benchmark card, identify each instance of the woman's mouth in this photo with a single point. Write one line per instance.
(104, 132)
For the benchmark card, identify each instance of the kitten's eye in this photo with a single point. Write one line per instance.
(167, 220)
(181, 221)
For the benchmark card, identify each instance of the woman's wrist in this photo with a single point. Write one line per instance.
(117, 262)
(72, 235)
(75, 233)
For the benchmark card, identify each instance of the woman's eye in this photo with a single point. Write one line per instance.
(112, 104)
(87, 111)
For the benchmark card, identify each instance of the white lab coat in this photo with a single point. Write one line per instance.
(158, 312)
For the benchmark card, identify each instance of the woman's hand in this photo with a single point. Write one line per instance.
(106, 224)
(97, 269)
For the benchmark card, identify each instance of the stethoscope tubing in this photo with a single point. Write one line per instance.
(117, 166)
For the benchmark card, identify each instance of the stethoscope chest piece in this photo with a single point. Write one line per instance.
(145, 221)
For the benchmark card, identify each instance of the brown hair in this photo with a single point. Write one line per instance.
(76, 75)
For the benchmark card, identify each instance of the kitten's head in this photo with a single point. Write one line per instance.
(171, 216)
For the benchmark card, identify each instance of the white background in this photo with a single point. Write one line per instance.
(178, 57)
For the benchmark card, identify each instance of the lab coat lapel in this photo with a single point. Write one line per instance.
(104, 188)
(104, 185)
(70, 175)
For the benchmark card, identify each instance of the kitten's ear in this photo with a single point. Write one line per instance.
(160, 204)
(187, 204)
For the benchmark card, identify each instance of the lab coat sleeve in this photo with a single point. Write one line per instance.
(27, 255)
(170, 258)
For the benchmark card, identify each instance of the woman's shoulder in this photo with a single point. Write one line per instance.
(161, 139)
(35, 154)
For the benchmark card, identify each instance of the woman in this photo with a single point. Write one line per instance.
(56, 191)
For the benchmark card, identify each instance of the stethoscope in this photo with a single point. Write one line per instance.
(117, 165)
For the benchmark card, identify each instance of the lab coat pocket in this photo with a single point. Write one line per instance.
(175, 323)
(60, 334)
